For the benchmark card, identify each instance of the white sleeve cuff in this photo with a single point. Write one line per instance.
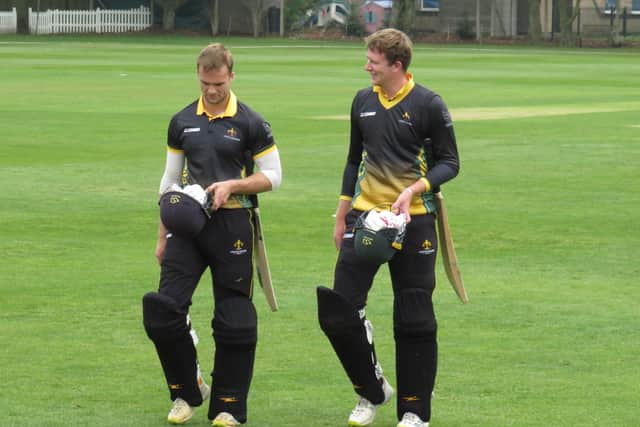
(269, 165)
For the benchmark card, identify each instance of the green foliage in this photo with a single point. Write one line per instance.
(402, 15)
(464, 28)
(353, 25)
(543, 214)
(295, 13)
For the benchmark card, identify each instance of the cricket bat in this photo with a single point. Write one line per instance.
(448, 251)
(262, 263)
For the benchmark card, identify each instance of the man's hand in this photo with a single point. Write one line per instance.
(220, 193)
(341, 224)
(338, 233)
(402, 203)
(161, 244)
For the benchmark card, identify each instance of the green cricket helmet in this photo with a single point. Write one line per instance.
(373, 244)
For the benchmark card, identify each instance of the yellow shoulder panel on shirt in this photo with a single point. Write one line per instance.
(265, 152)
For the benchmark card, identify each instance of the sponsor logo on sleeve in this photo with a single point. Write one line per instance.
(367, 114)
(447, 118)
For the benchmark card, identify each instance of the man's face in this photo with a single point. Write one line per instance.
(378, 67)
(215, 85)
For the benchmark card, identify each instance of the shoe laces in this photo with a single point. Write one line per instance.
(411, 420)
(226, 419)
(179, 405)
(363, 406)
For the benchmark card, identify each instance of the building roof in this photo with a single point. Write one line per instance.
(386, 4)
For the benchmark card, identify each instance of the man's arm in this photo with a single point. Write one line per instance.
(161, 243)
(172, 173)
(441, 142)
(222, 190)
(267, 178)
(349, 176)
(344, 205)
(403, 202)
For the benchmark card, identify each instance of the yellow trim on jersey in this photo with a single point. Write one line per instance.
(427, 184)
(175, 150)
(265, 152)
(346, 198)
(402, 93)
(230, 110)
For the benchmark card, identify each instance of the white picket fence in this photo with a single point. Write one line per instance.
(89, 21)
(9, 22)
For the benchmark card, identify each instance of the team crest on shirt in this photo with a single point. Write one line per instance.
(238, 248)
(406, 119)
(267, 129)
(232, 134)
(446, 116)
(426, 248)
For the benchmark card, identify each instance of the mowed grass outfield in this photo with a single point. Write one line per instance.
(544, 215)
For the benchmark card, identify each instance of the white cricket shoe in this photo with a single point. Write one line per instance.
(365, 411)
(410, 419)
(224, 419)
(180, 413)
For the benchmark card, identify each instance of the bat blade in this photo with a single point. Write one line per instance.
(262, 262)
(448, 251)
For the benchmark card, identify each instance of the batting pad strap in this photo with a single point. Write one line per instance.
(413, 313)
(336, 315)
(235, 322)
(163, 319)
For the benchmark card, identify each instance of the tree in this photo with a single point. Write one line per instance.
(22, 9)
(295, 13)
(402, 15)
(256, 13)
(535, 27)
(169, 8)
(566, 20)
(353, 25)
(614, 36)
(214, 22)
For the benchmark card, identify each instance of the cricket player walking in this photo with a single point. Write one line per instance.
(216, 140)
(402, 148)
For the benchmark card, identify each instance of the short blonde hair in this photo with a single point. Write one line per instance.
(394, 44)
(215, 56)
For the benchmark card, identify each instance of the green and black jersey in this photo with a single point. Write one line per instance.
(395, 142)
(222, 147)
